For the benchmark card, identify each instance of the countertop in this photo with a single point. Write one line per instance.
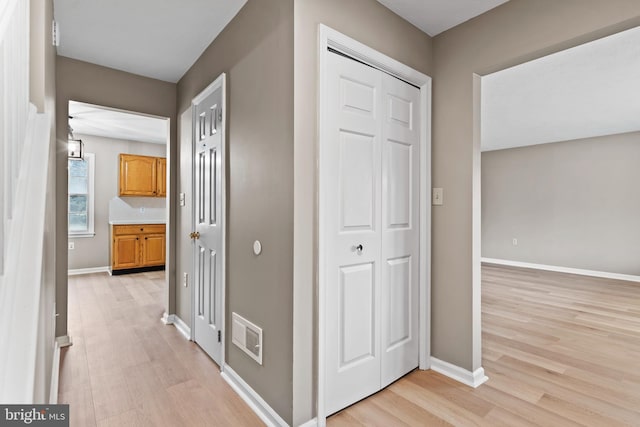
(137, 221)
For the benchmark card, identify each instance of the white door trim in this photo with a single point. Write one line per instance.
(220, 82)
(330, 38)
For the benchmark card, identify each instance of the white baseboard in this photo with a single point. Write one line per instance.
(579, 271)
(172, 319)
(55, 374)
(253, 399)
(182, 327)
(472, 379)
(310, 423)
(168, 319)
(92, 270)
(64, 341)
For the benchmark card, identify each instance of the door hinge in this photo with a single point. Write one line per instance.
(219, 336)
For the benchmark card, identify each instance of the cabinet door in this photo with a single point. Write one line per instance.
(153, 250)
(126, 251)
(162, 177)
(138, 175)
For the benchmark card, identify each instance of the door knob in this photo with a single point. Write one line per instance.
(359, 248)
(194, 235)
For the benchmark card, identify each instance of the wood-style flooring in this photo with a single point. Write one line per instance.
(126, 368)
(559, 350)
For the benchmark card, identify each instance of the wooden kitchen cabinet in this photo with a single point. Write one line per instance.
(153, 249)
(137, 247)
(142, 176)
(126, 252)
(161, 174)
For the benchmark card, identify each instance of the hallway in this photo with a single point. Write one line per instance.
(125, 368)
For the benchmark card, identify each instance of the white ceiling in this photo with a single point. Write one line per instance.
(436, 16)
(588, 91)
(163, 38)
(93, 120)
(155, 38)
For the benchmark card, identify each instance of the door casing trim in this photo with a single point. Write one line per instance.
(219, 82)
(330, 38)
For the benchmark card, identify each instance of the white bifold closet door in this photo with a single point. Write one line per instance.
(372, 230)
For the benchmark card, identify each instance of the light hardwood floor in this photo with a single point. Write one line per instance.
(559, 350)
(125, 368)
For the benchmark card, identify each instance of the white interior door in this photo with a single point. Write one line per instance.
(400, 248)
(208, 253)
(372, 231)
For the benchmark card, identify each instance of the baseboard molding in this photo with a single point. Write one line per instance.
(55, 374)
(64, 341)
(472, 379)
(253, 399)
(182, 327)
(310, 423)
(93, 270)
(172, 319)
(579, 271)
(168, 319)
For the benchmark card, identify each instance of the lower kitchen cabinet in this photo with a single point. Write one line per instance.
(137, 247)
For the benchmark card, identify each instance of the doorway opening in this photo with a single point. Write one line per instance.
(118, 201)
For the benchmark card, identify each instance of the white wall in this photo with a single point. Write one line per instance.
(569, 204)
(93, 252)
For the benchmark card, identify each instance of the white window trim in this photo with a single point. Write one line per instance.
(91, 159)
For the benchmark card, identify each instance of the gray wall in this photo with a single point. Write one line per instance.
(93, 252)
(376, 26)
(515, 32)
(94, 84)
(569, 204)
(256, 52)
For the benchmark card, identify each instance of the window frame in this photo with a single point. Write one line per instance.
(90, 232)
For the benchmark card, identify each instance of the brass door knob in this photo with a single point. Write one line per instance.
(194, 235)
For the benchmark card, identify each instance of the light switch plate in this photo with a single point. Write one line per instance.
(438, 197)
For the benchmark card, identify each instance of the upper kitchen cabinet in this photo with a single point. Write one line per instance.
(161, 177)
(142, 176)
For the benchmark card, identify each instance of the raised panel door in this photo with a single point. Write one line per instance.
(353, 223)
(208, 162)
(126, 251)
(138, 175)
(370, 194)
(161, 177)
(153, 250)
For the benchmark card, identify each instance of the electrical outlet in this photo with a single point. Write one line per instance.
(142, 209)
(72, 246)
(514, 242)
(185, 279)
(438, 197)
(182, 199)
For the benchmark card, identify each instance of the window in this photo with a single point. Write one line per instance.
(81, 212)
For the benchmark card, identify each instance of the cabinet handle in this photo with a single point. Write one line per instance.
(137, 238)
(145, 238)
